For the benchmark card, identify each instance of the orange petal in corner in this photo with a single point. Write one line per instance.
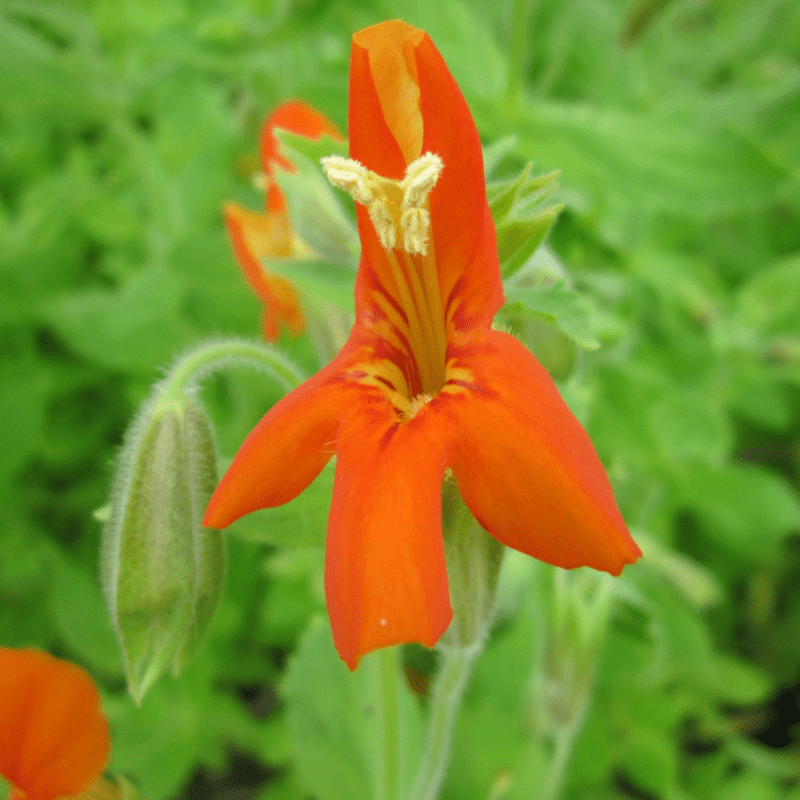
(54, 739)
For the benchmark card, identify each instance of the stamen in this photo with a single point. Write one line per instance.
(403, 204)
(428, 297)
(415, 405)
(354, 178)
(383, 223)
(415, 223)
(380, 195)
(421, 177)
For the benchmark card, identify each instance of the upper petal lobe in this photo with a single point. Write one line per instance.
(404, 102)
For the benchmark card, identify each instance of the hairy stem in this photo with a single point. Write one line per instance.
(445, 702)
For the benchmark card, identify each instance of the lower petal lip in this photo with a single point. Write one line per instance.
(526, 467)
(385, 574)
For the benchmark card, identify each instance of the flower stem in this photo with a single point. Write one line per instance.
(384, 687)
(191, 368)
(557, 771)
(445, 702)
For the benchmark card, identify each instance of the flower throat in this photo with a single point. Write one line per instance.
(399, 211)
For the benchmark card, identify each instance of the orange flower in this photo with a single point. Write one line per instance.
(423, 383)
(255, 236)
(53, 736)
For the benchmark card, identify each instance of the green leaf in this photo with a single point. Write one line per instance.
(517, 239)
(492, 732)
(315, 209)
(746, 509)
(181, 725)
(571, 312)
(494, 153)
(770, 301)
(650, 762)
(689, 428)
(747, 785)
(312, 150)
(331, 720)
(327, 719)
(301, 522)
(780, 765)
(136, 326)
(504, 194)
(739, 683)
(22, 410)
(521, 228)
(35, 73)
(80, 615)
(637, 165)
(698, 585)
(328, 280)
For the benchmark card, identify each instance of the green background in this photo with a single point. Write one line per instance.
(125, 125)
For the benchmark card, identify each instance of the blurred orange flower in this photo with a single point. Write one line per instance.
(53, 736)
(423, 383)
(270, 235)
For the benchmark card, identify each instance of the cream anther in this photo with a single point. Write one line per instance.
(382, 197)
(421, 176)
(382, 220)
(354, 178)
(415, 223)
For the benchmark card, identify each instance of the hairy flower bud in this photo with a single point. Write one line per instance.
(474, 559)
(162, 570)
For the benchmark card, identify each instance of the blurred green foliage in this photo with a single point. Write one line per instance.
(667, 298)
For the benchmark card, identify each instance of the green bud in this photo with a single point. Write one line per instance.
(473, 568)
(521, 221)
(578, 622)
(162, 570)
(517, 239)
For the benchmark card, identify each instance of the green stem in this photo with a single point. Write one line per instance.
(445, 702)
(557, 771)
(385, 689)
(191, 368)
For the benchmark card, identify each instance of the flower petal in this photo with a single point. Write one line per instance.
(385, 574)
(383, 64)
(254, 236)
(404, 102)
(373, 144)
(464, 235)
(287, 449)
(297, 117)
(53, 736)
(526, 467)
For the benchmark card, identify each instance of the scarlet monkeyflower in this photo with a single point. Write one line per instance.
(53, 735)
(423, 383)
(270, 235)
